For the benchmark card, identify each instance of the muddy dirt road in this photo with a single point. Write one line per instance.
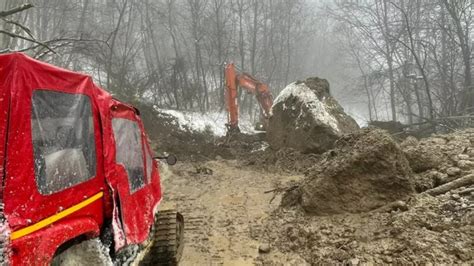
(224, 211)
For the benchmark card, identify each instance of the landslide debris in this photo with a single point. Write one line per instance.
(169, 136)
(440, 158)
(439, 230)
(307, 118)
(365, 170)
(436, 225)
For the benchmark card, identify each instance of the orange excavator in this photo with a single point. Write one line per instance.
(251, 85)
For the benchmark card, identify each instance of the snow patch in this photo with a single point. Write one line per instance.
(89, 252)
(213, 121)
(262, 146)
(310, 100)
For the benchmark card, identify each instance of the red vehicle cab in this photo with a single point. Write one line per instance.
(73, 161)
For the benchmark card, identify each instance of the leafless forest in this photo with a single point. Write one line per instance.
(309, 185)
(408, 61)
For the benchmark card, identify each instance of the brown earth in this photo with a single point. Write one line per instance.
(234, 209)
(238, 197)
(364, 171)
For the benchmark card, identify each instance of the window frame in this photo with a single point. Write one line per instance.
(142, 149)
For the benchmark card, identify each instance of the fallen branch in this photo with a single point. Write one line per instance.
(280, 190)
(466, 191)
(15, 10)
(460, 182)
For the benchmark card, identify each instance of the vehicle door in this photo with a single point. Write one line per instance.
(138, 193)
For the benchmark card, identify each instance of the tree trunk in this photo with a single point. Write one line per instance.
(389, 54)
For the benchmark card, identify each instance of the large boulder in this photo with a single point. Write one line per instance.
(364, 171)
(307, 118)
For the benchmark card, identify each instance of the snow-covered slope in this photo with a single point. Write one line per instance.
(213, 121)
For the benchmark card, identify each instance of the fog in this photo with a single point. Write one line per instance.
(407, 61)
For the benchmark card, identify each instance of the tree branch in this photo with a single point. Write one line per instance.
(15, 10)
(13, 35)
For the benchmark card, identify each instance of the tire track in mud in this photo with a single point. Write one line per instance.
(223, 212)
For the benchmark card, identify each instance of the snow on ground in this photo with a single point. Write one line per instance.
(309, 98)
(214, 121)
(89, 252)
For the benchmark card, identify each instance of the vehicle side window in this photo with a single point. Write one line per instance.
(63, 140)
(129, 151)
(149, 165)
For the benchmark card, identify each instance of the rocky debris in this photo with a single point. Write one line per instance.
(435, 226)
(364, 171)
(393, 127)
(440, 158)
(423, 155)
(438, 229)
(307, 118)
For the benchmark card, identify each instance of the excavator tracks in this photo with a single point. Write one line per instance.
(167, 239)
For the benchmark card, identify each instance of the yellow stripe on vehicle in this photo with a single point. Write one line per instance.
(45, 222)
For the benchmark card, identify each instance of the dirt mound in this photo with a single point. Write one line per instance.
(307, 118)
(168, 136)
(364, 171)
(431, 229)
(435, 226)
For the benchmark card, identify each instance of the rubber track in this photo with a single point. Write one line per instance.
(167, 245)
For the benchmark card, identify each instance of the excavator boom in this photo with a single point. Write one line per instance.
(252, 85)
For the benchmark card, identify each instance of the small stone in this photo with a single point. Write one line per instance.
(455, 196)
(439, 141)
(464, 164)
(400, 205)
(218, 157)
(264, 248)
(455, 158)
(443, 240)
(463, 157)
(354, 244)
(452, 171)
(326, 231)
(354, 261)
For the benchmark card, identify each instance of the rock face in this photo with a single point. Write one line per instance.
(307, 118)
(364, 171)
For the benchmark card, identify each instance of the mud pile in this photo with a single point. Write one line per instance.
(307, 118)
(413, 229)
(365, 170)
(430, 229)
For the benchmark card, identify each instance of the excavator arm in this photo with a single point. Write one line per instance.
(251, 85)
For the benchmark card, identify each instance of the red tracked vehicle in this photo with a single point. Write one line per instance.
(75, 164)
